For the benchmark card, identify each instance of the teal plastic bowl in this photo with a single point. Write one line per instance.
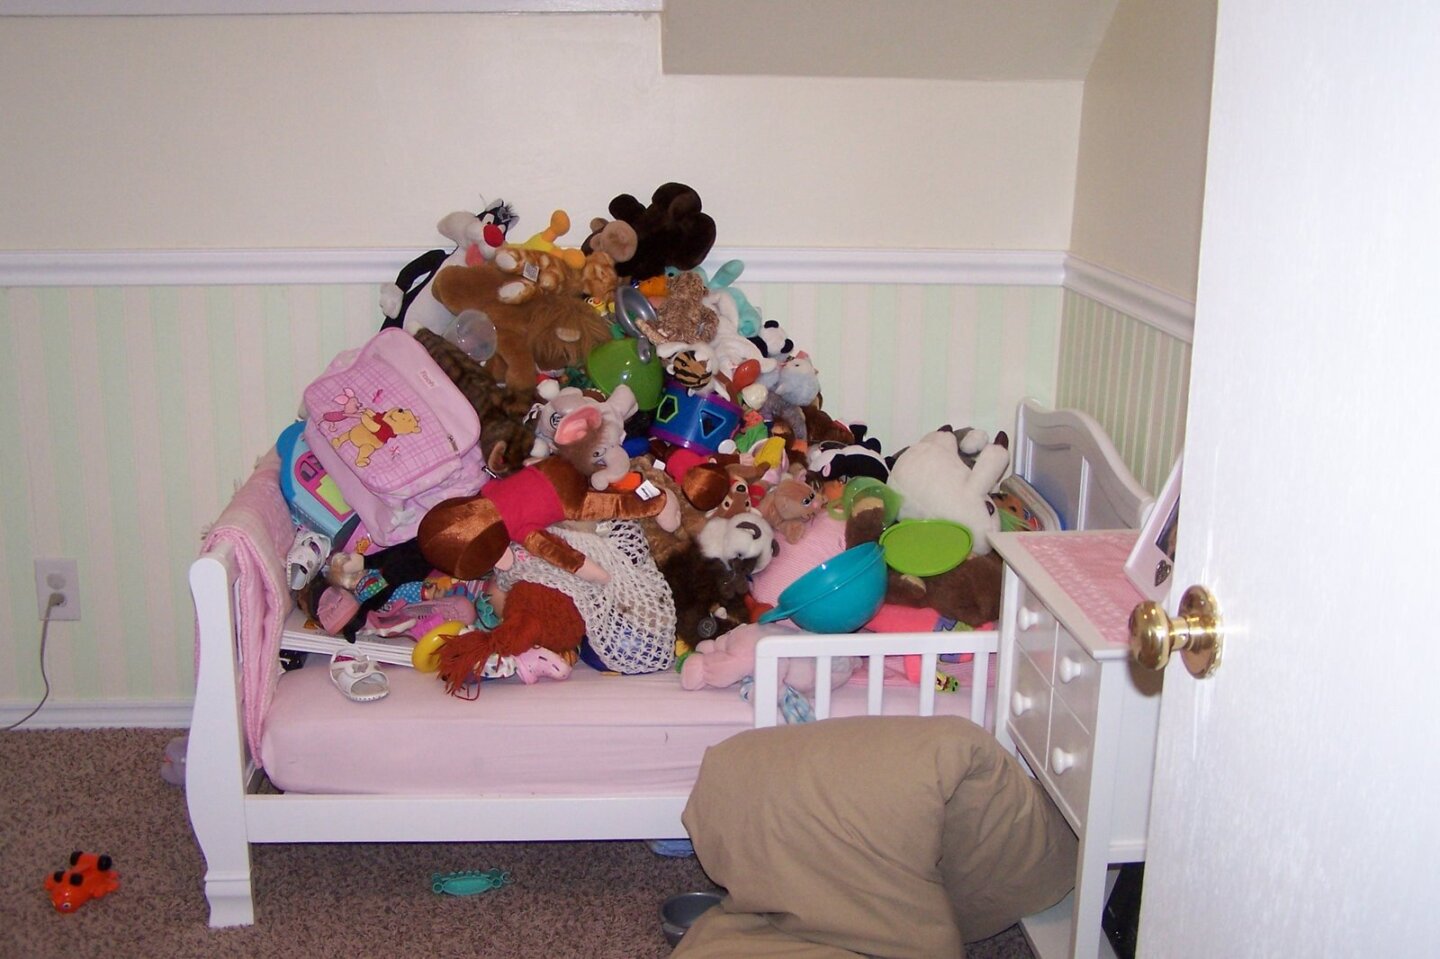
(838, 596)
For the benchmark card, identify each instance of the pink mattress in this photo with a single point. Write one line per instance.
(592, 734)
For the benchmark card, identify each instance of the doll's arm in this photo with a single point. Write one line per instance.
(557, 552)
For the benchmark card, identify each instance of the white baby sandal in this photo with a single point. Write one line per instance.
(358, 679)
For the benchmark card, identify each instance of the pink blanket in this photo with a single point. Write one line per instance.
(257, 524)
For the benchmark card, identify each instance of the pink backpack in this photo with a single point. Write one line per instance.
(394, 432)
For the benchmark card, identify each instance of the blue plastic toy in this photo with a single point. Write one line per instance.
(838, 596)
(699, 423)
(469, 883)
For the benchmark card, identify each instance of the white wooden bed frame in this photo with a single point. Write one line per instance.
(1062, 453)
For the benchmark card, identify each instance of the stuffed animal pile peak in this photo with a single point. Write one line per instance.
(629, 385)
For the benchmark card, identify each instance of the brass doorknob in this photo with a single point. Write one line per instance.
(1195, 632)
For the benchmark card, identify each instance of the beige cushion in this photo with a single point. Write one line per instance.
(886, 836)
(723, 935)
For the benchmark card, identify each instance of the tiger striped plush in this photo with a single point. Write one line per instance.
(690, 370)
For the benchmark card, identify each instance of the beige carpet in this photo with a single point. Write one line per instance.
(101, 791)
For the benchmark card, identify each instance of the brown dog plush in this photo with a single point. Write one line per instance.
(469, 536)
(545, 333)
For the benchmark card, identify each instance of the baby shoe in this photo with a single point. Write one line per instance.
(307, 554)
(358, 679)
(417, 619)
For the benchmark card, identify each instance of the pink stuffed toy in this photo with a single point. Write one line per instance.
(727, 659)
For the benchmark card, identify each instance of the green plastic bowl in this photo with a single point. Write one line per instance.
(838, 596)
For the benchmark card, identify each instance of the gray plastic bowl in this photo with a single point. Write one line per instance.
(680, 911)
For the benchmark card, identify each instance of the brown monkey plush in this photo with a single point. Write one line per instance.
(468, 536)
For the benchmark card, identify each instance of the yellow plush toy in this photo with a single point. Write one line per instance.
(544, 241)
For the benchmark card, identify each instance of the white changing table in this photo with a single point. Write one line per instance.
(1077, 711)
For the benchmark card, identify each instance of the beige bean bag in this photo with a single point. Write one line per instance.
(898, 837)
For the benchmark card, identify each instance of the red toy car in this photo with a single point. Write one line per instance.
(89, 877)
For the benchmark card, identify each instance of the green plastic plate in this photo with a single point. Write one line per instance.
(925, 547)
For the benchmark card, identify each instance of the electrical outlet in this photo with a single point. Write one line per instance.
(57, 576)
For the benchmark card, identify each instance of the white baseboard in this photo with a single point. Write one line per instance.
(134, 714)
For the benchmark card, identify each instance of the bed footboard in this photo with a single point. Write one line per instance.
(874, 647)
(217, 765)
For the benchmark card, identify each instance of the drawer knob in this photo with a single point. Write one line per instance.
(1060, 761)
(1195, 632)
(1028, 618)
(1069, 669)
(1020, 703)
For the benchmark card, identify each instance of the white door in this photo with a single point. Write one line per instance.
(1297, 790)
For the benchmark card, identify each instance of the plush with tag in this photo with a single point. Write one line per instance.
(467, 537)
(536, 272)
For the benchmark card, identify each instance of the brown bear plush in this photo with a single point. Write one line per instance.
(548, 333)
(670, 231)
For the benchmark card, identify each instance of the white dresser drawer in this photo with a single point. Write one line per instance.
(1029, 711)
(1077, 678)
(1035, 632)
(1067, 762)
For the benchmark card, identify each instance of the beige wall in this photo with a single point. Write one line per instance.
(1141, 174)
(361, 131)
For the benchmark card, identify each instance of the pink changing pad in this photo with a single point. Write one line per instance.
(594, 733)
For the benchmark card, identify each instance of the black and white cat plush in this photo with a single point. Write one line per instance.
(409, 301)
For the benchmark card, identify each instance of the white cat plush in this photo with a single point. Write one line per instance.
(935, 483)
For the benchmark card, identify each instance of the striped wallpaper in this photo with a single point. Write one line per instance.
(133, 412)
(1133, 378)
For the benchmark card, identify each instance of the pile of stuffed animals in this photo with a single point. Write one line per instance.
(623, 382)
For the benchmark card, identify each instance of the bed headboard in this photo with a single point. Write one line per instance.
(1070, 460)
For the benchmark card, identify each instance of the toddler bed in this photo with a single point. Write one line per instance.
(284, 758)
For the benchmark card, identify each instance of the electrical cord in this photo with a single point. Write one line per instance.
(56, 599)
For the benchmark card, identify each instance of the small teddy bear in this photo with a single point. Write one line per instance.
(683, 316)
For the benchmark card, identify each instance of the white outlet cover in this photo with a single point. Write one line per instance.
(70, 574)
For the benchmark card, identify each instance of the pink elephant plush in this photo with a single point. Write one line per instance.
(727, 659)
(587, 431)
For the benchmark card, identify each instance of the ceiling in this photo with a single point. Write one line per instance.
(929, 39)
